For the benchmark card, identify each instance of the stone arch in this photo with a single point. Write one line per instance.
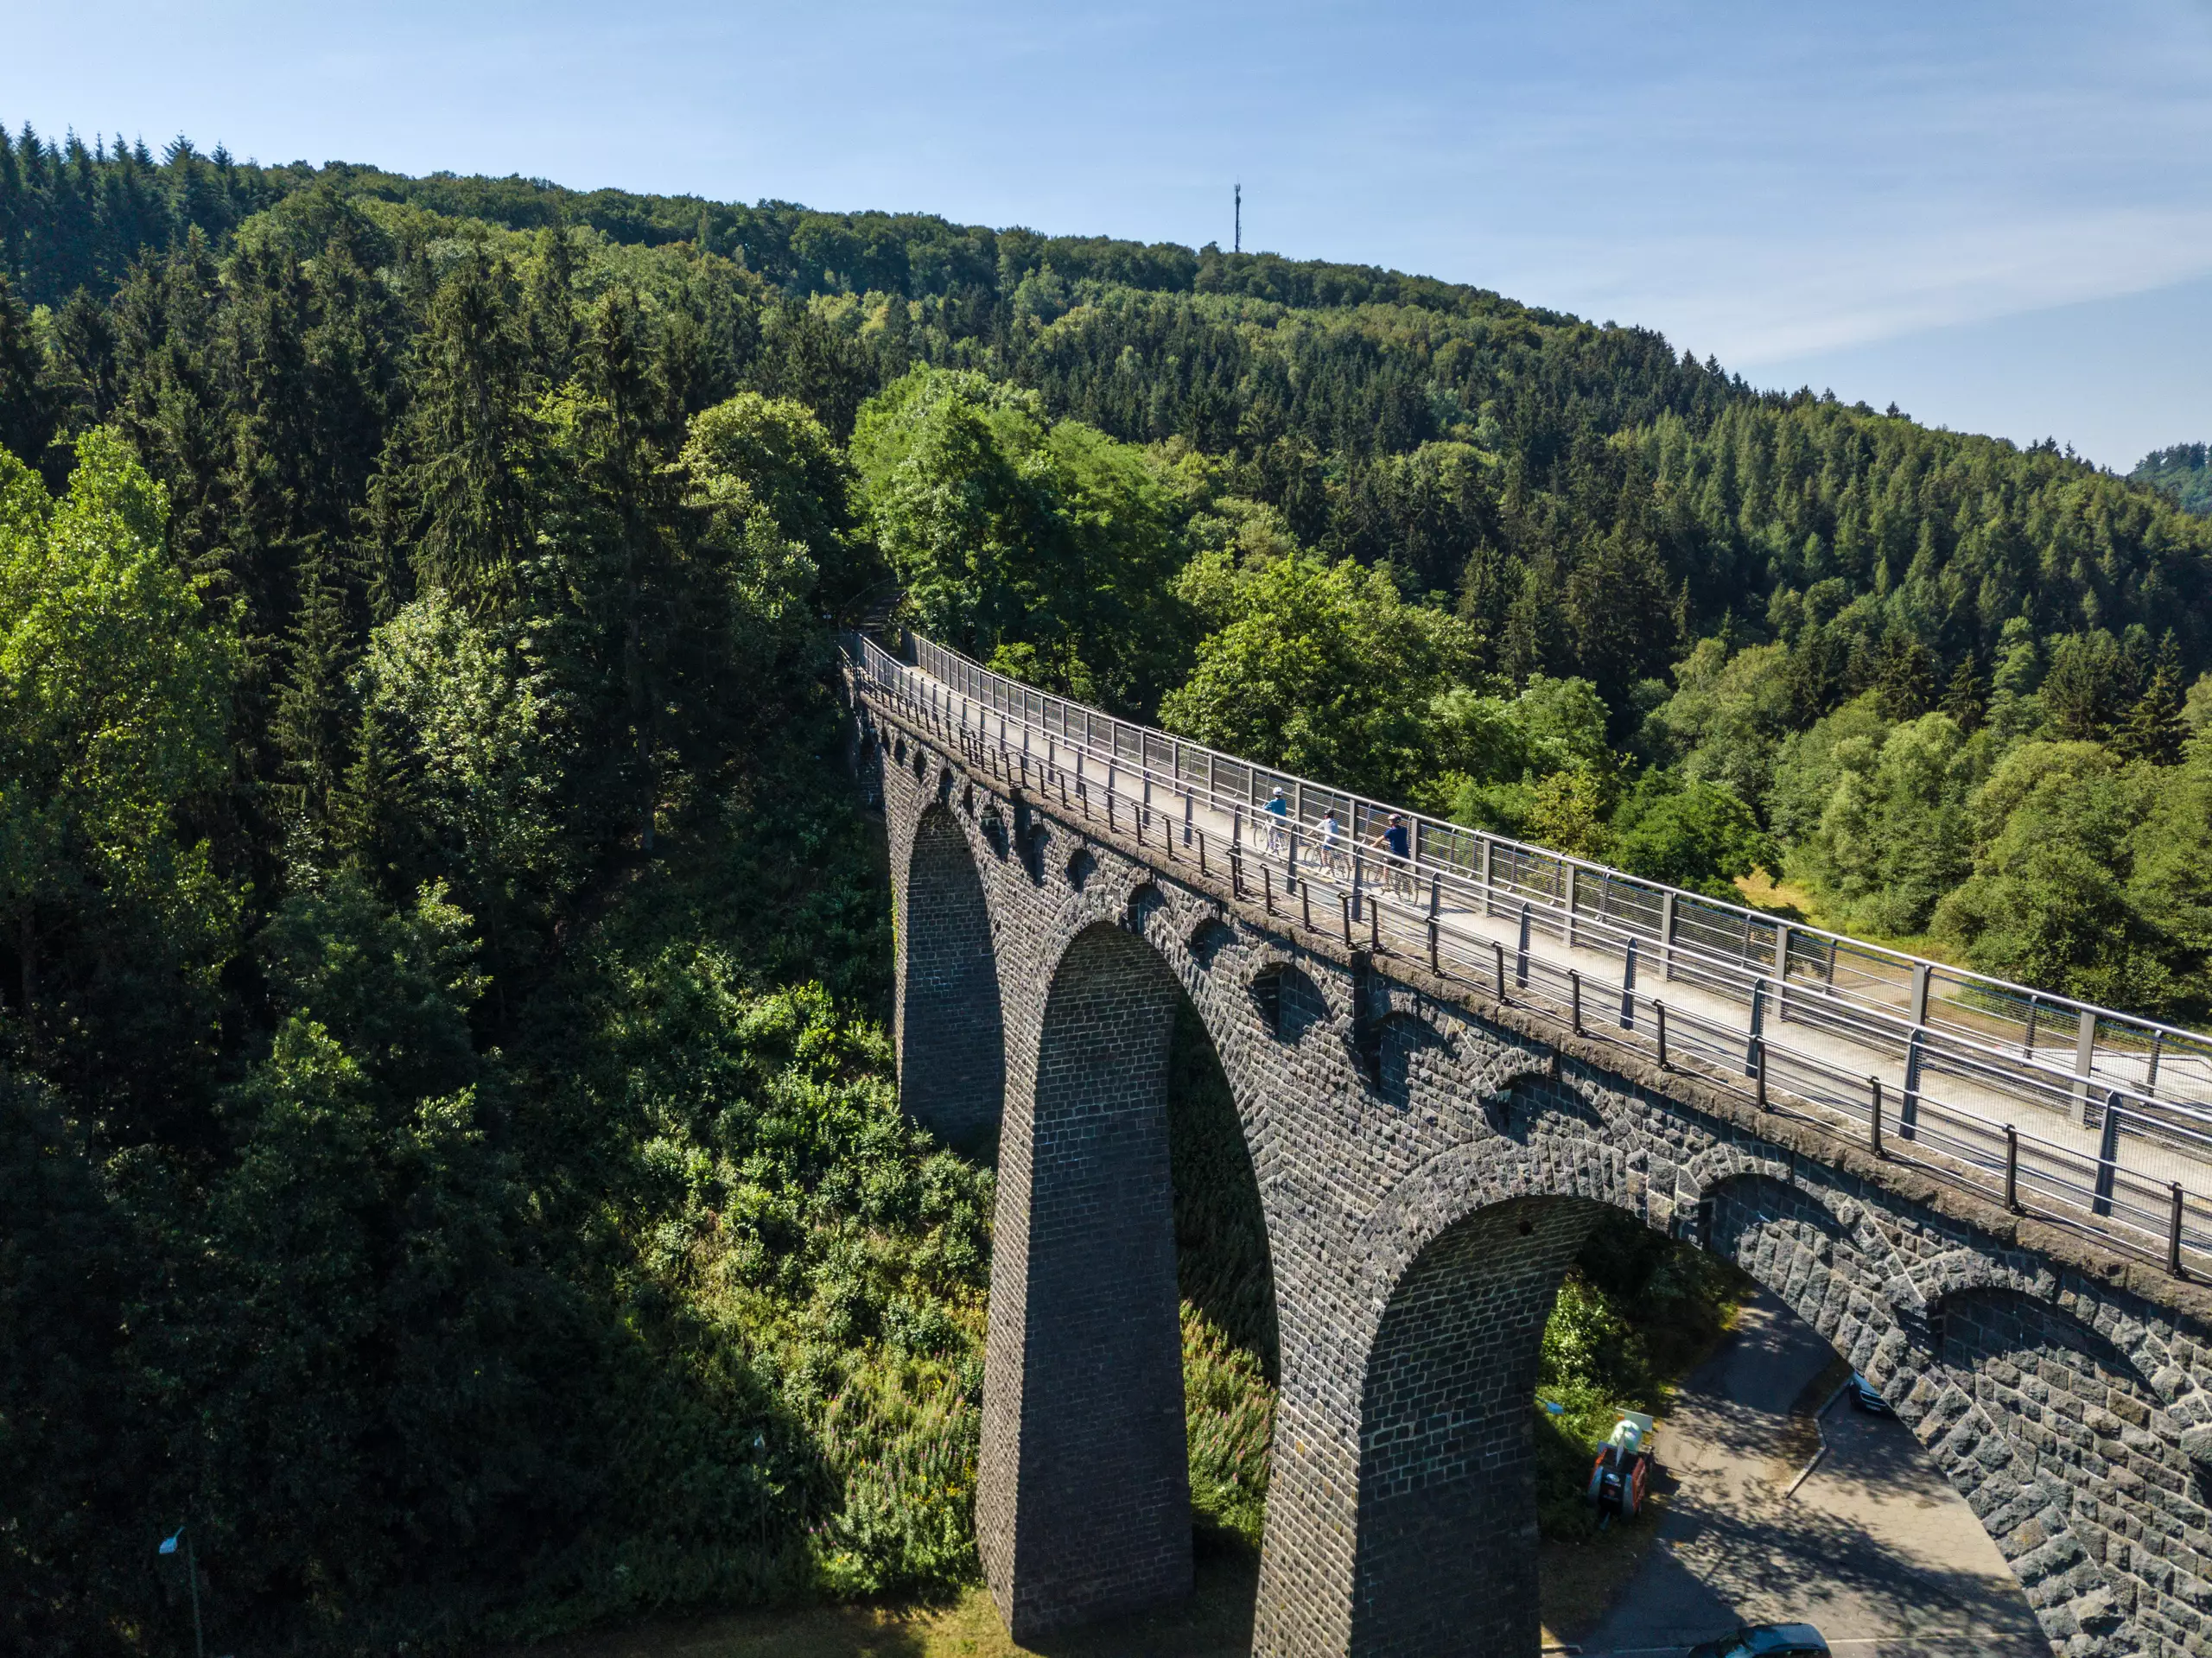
(1445, 1556)
(2065, 1398)
(1288, 1002)
(1208, 939)
(1404, 1039)
(1083, 1501)
(1784, 1236)
(1081, 866)
(1145, 901)
(1462, 1259)
(1035, 844)
(951, 1046)
(990, 823)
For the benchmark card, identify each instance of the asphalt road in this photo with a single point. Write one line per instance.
(1876, 1548)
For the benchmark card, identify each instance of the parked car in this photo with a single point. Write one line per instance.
(1767, 1641)
(1864, 1396)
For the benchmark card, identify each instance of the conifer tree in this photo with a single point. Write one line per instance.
(1963, 699)
(1905, 682)
(308, 726)
(549, 308)
(87, 373)
(370, 810)
(2153, 729)
(26, 414)
(466, 449)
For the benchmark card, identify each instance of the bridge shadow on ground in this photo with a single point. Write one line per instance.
(1215, 1623)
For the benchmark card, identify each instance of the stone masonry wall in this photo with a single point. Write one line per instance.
(1402, 1129)
(1447, 1443)
(948, 990)
(1085, 1508)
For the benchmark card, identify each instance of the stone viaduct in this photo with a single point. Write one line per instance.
(1429, 1159)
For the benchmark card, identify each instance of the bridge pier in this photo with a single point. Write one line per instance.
(1083, 1508)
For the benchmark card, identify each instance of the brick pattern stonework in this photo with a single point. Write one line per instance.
(1428, 1159)
(948, 989)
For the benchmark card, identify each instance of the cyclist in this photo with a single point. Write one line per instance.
(1397, 846)
(1279, 808)
(1333, 843)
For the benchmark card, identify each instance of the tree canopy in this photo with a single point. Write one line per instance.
(447, 1152)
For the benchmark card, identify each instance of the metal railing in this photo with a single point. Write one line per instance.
(1987, 1045)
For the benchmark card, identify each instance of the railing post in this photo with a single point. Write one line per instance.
(1499, 947)
(1435, 895)
(1909, 1104)
(1659, 1023)
(1874, 1123)
(1920, 993)
(2011, 1168)
(1358, 876)
(1574, 1000)
(1267, 886)
(1435, 963)
(1374, 927)
(1758, 1025)
(2108, 1157)
(1490, 848)
(1665, 938)
(1343, 903)
(2028, 1042)
(1628, 987)
(2085, 1059)
(1521, 957)
(1758, 1082)
(1188, 817)
(1305, 903)
(2173, 1233)
(1569, 885)
(1781, 972)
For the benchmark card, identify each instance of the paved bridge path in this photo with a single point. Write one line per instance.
(2076, 1114)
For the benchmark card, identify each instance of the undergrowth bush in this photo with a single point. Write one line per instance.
(1634, 1313)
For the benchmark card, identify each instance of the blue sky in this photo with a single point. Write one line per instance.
(1996, 215)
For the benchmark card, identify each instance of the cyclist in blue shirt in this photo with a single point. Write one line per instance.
(1398, 844)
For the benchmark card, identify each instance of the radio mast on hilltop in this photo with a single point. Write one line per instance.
(1236, 244)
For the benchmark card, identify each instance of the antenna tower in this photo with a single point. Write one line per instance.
(1236, 244)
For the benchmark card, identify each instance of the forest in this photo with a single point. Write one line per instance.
(449, 1153)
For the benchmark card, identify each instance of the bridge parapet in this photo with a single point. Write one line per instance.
(1429, 1144)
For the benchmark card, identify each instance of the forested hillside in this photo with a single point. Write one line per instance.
(449, 1156)
(2183, 471)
